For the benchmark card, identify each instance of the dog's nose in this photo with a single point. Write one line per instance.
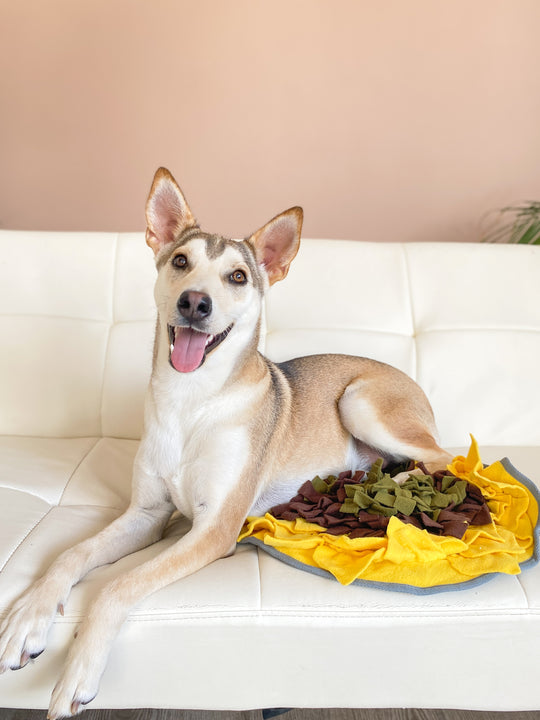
(194, 305)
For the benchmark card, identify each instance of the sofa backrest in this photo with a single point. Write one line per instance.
(77, 321)
(78, 314)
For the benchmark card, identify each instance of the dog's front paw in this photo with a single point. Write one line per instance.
(84, 667)
(23, 633)
(71, 693)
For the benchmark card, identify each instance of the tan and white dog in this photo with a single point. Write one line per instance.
(227, 432)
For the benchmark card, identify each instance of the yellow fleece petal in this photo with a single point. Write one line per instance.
(408, 544)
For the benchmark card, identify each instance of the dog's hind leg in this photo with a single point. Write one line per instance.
(389, 412)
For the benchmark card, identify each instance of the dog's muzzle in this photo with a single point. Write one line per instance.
(188, 347)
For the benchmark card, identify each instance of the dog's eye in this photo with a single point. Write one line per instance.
(179, 261)
(238, 277)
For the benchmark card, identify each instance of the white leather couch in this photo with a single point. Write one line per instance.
(77, 318)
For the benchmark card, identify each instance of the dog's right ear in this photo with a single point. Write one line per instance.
(167, 212)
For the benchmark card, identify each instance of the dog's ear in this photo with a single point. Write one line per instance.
(167, 212)
(277, 243)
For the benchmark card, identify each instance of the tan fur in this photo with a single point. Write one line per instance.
(227, 431)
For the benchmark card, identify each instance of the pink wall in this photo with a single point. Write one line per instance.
(385, 119)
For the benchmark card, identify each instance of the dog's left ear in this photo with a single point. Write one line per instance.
(167, 212)
(277, 243)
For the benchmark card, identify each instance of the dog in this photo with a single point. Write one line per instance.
(227, 432)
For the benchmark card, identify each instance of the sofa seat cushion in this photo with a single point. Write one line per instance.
(255, 612)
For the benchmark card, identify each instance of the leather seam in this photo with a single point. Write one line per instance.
(25, 538)
(77, 466)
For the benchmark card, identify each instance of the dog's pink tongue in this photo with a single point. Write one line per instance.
(188, 350)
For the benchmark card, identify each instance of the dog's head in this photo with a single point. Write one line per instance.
(209, 288)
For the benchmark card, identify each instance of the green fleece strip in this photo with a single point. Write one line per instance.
(379, 494)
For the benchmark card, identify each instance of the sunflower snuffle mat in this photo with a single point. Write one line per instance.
(447, 531)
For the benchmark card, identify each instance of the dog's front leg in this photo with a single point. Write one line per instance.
(23, 632)
(208, 540)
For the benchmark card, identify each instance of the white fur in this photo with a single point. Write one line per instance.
(197, 448)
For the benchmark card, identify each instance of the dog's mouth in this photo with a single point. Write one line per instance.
(188, 347)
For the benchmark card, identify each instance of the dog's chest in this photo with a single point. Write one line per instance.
(198, 452)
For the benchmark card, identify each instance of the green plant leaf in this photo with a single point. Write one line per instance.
(523, 228)
(528, 235)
